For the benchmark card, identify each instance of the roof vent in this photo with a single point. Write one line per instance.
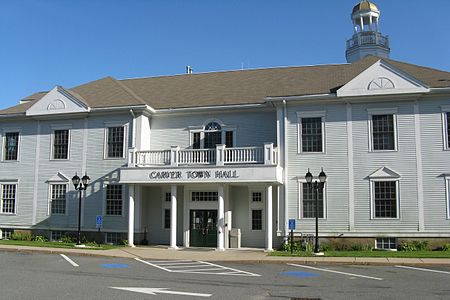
(188, 70)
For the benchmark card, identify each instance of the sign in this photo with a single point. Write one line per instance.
(99, 221)
(192, 175)
(291, 224)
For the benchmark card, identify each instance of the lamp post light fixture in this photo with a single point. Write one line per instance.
(316, 186)
(80, 185)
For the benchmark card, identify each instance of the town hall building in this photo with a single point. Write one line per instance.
(219, 159)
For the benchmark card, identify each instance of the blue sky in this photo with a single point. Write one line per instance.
(66, 42)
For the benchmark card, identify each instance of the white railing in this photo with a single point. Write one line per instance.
(267, 155)
(244, 155)
(368, 38)
(153, 157)
(197, 156)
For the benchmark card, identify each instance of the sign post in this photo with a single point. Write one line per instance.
(99, 222)
(291, 228)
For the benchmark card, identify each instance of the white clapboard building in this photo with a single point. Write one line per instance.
(186, 160)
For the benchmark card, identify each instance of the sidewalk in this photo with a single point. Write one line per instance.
(231, 255)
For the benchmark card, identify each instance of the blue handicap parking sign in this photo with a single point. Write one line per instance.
(291, 224)
(99, 221)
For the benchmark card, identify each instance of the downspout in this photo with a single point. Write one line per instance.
(133, 132)
(285, 167)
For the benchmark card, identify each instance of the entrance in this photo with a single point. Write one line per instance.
(202, 228)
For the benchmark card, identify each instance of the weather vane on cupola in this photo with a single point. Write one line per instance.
(366, 39)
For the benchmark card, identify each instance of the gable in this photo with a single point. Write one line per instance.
(384, 173)
(382, 79)
(57, 101)
(59, 177)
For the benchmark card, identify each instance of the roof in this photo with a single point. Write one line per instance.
(365, 6)
(230, 87)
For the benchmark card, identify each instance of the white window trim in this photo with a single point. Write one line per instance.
(125, 140)
(372, 197)
(3, 139)
(382, 111)
(13, 182)
(201, 130)
(69, 142)
(257, 206)
(165, 205)
(124, 195)
(447, 192)
(445, 110)
(49, 204)
(300, 182)
(310, 114)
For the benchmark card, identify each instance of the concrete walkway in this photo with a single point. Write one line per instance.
(232, 255)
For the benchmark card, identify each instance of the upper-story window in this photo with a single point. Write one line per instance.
(446, 126)
(448, 129)
(213, 134)
(11, 146)
(311, 137)
(382, 129)
(61, 144)
(115, 142)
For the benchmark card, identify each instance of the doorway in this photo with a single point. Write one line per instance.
(203, 228)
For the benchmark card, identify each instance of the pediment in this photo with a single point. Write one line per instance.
(384, 173)
(57, 101)
(382, 79)
(59, 177)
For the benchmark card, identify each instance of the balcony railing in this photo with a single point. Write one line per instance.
(219, 156)
(368, 38)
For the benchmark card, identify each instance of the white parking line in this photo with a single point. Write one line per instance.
(420, 269)
(69, 260)
(337, 272)
(195, 267)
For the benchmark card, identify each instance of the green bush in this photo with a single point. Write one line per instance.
(298, 246)
(40, 238)
(414, 245)
(21, 236)
(67, 239)
(345, 247)
(446, 247)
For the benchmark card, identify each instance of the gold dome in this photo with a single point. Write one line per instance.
(365, 6)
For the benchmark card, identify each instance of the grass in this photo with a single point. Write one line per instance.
(54, 245)
(400, 254)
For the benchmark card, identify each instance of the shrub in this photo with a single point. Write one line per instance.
(298, 246)
(446, 247)
(67, 239)
(21, 236)
(414, 245)
(125, 242)
(40, 238)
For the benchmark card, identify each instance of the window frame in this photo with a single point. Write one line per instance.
(164, 206)
(109, 125)
(19, 141)
(310, 114)
(52, 142)
(16, 196)
(445, 125)
(256, 205)
(447, 193)
(300, 182)
(377, 112)
(50, 199)
(105, 207)
(372, 198)
(201, 130)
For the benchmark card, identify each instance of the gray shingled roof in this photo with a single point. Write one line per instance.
(231, 87)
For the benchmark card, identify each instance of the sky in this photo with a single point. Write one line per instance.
(70, 42)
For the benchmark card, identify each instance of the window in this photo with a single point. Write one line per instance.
(256, 219)
(58, 198)
(212, 134)
(61, 144)
(448, 129)
(256, 208)
(57, 236)
(204, 196)
(8, 200)
(386, 243)
(446, 121)
(385, 199)
(383, 132)
(166, 218)
(11, 146)
(6, 233)
(447, 186)
(115, 142)
(311, 131)
(114, 200)
(115, 238)
(309, 202)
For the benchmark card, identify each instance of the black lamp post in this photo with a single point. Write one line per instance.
(80, 186)
(316, 186)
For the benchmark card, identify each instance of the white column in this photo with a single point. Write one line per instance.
(173, 217)
(370, 22)
(220, 220)
(269, 218)
(131, 216)
(362, 24)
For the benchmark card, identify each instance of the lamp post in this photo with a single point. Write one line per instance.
(316, 186)
(80, 186)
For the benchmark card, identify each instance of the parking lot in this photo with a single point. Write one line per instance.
(55, 276)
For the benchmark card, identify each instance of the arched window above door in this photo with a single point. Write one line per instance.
(212, 133)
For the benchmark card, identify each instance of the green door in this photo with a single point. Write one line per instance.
(202, 228)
